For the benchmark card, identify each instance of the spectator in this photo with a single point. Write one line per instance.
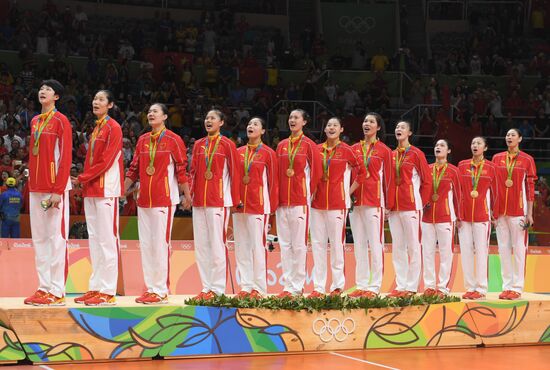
(11, 203)
(380, 61)
(10, 137)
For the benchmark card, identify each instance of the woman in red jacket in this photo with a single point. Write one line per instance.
(516, 177)
(216, 184)
(259, 197)
(159, 164)
(438, 221)
(329, 210)
(102, 184)
(370, 190)
(300, 170)
(410, 188)
(478, 209)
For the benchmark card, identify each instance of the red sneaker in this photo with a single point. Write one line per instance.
(357, 293)
(396, 293)
(477, 295)
(254, 294)
(467, 295)
(142, 297)
(440, 294)
(316, 294)
(336, 292)
(370, 294)
(210, 295)
(38, 294)
(49, 300)
(513, 295)
(504, 294)
(101, 299)
(201, 296)
(430, 292)
(153, 298)
(284, 294)
(243, 294)
(89, 294)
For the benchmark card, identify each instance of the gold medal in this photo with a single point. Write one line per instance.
(35, 150)
(435, 197)
(150, 170)
(208, 175)
(509, 183)
(325, 177)
(368, 174)
(290, 172)
(246, 179)
(474, 194)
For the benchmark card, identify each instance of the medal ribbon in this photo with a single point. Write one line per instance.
(437, 179)
(153, 147)
(41, 126)
(98, 126)
(476, 175)
(510, 164)
(249, 158)
(326, 162)
(209, 157)
(399, 161)
(292, 153)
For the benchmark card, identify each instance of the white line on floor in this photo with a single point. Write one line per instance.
(45, 367)
(364, 361)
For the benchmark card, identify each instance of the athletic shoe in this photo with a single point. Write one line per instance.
(142, 297)
(476, 295)
(369, 294)
(254, 294)
(38, 294)
(504, 294)
(243, 294)
(49, 300)
(408, 293)
(210, 295)
(83, 298)
(153, 298)
(396, 293)
(357, 293)
(513, 295)
(430, 292)
(101, 299)
(201, 296)
(336, 292)
(316, 294)
(440, 294)
(284, 294)
(467, 295)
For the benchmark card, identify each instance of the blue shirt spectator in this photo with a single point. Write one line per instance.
(11, 202)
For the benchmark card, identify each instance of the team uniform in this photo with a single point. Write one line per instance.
(409, 192)
(367, 217)
(475, 221)
(329, 209)
(438, 223)
(512, 202)
(49, 167)
(300, 170)
(102, 183)
(216, 184)
(259, 196)
(158, 198)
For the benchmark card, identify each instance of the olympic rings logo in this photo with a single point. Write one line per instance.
(330, 329)
(356, 24)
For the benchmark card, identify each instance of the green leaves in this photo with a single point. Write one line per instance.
(318, 304)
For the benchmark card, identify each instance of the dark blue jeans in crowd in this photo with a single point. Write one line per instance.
(10, 229)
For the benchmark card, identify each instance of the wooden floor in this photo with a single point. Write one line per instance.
(530, 357)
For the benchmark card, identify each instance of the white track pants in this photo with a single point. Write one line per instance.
(209, 231)
(250, 233)
(406, 251)
(512, 237)
(442, 235)
(50, 231)
(474, 239)
(292, 230)
(155, 230)
(103, 240)
(328, 225)
(367, 225)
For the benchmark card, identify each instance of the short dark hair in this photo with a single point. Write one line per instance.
(55, 85)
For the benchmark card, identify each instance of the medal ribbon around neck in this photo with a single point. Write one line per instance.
(399, 162)
(367, 153)
(476, 175)
(437, 179)
(209, 157)
(291, 152)
(41, 126)
(326, 162)
(97, 130)
(510, 164)
(249, 158)
(153, 146)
